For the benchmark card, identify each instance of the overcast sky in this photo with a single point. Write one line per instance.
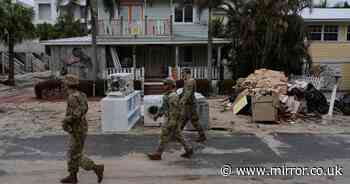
(28, 1)
(330, 2)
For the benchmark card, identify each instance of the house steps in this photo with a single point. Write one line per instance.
(153, 87)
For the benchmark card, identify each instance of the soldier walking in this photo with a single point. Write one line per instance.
(171, 110)
(76, 126)
(188, 104)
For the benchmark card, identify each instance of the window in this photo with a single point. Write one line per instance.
(44, 11)
(315, 32)
(330, 33)
(348, 37)
(184, 13)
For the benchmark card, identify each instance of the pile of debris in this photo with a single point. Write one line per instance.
(265, 91)
(266, 80)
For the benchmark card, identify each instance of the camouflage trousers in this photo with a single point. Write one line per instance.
(189, 113)
(170, 130)
(76, 157)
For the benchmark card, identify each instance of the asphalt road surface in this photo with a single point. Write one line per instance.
(42, 160)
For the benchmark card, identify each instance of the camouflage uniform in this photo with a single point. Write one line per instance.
(171, 109)
(76, 125)
(189, 108)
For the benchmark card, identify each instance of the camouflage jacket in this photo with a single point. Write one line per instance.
(187, 96)
(170, 106)
(77, 107)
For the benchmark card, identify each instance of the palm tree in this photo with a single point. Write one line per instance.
(92, 7)
(15, 26)
(267, 33)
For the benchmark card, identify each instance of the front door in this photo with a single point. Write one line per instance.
(133, 19)
(157, 63)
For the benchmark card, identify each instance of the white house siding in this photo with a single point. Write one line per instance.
(158, 9)
(162, 9)
(26, 46)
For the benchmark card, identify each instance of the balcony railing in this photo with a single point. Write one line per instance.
(124, 27)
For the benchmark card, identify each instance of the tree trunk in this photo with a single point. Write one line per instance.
(11, 76)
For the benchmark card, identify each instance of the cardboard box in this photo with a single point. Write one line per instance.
(265, 108)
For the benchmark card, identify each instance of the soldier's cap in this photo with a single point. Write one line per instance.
(186, 70)
(71, 80)
(168, 82)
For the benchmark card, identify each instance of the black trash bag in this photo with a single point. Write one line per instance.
(315, 100)
(344, 104)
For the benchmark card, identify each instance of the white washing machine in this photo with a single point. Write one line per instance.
(156, 100)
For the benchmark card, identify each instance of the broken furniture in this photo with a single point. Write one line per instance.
(121, 84)
(120, 113)
(121, 109)
(265, 108)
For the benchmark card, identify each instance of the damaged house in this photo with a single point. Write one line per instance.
(153, 39)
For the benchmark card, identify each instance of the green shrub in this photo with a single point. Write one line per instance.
(42, 88)
(45, 86)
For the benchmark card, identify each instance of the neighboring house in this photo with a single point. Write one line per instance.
(152, 37)
(46, 11)
(329, 33)
(28, 54)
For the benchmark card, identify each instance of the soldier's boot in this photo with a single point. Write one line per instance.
(156, 155)
(188, 153)
(99, 169)
(202, 137)
(72, 178)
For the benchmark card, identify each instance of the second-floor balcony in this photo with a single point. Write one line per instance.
(147, 27)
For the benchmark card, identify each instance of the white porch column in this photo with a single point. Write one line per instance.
(177, 61)
(219, 56)
(219, 62)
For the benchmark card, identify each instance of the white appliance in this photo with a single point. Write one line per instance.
(120, 114)
(156, 100)
(148, 102)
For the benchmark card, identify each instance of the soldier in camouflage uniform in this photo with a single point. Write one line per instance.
(188, 104)
(76, 126)
(170, 109)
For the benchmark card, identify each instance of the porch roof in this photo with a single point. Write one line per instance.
(326, 15)
(177, 40)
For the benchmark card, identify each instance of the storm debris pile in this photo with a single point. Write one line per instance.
(264, 80)
(290, 99)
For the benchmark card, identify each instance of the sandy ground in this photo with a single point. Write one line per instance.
(240, 123)
(23, 116)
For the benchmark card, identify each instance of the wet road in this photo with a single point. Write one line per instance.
(125, 156)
